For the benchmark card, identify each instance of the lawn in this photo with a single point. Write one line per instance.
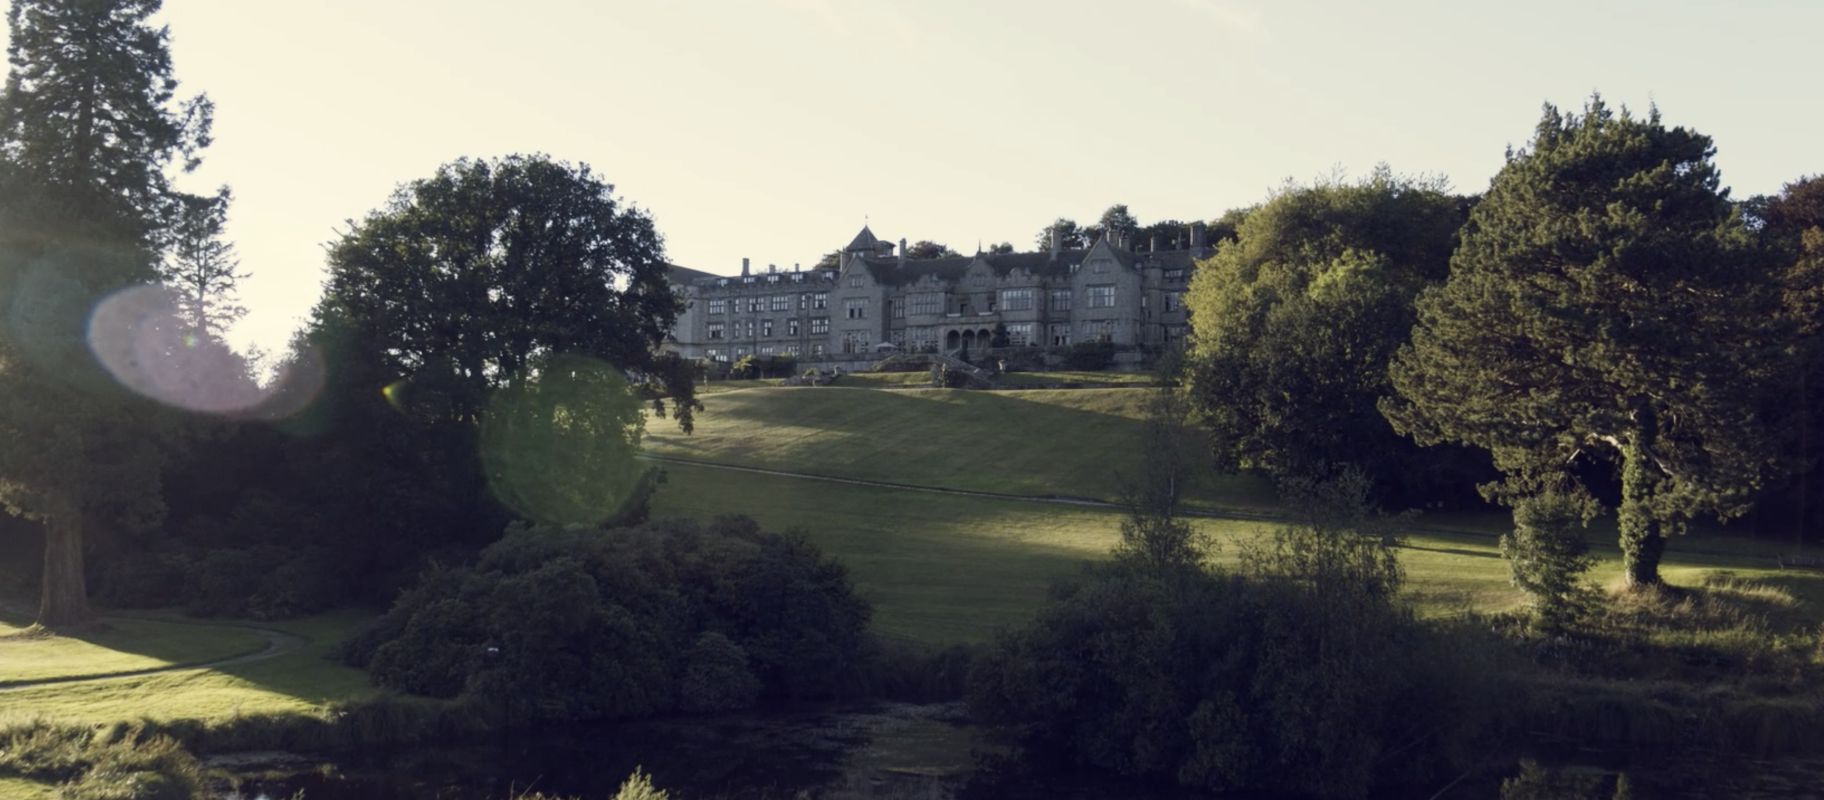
(124, 645)
(26, 789)
(303, 680)
(1073, 443)
(1017, 379)
(941, 569)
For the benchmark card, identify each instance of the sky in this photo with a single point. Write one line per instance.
(773, 129)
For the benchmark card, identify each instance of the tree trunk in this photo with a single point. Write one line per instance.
(1642, 532)
(64, 601)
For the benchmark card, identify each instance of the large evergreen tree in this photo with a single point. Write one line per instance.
(89, 132)
(1604, 305)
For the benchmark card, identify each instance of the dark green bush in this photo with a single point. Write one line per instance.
(1299, 674)
(1090, 356)
(579, 623)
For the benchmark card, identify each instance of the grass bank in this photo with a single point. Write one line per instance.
(1037, 442)
(942, 569)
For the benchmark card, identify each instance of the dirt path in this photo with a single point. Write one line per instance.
(278, 643)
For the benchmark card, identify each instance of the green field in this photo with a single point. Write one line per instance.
(300, 680)
(1073, 443)
(125, 645)
(941, 569)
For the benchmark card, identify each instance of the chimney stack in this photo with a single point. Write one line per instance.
(795, 266)
(902, 251)
(772, 268)
(1197, 236)
(743, 267)
(1153, 246)
(1055, 239)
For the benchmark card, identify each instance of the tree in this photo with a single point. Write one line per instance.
(467, 278)
(88, 132)
(1070, 237)
(202, 268)
(1604, 303)
(925, 248)
(1000, 249)
(1116, 223)
(1168, 234)
(1793, 226)
(463, 297)
(1294, 324)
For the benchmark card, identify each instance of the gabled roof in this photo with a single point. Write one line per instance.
(863, 241)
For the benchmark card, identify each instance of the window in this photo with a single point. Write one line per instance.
(855, 342)
(896, 310)
(1016, 299)
(1101, 297)
(1019, 334)
(855, 308)
(1174, 274)
(782, 302)
(715, 330)
(820, 300)
(790, 349)
(1060, 299)
(978, 279)
(817, 349)
(820, 325)
(1060, 336)
(897, 336)
(791, 327)
(920, 338)
(718, 306)
(1099, 265)
(766, 327)
(1099, 331)
(766, 350)
(857, 280)
(1174, 301)
(753, 303)
(716, 354)
(927, 303)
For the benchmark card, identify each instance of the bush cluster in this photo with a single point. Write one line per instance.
(1299, 673)
(1090, 356)
(579, 623)
(116, 762)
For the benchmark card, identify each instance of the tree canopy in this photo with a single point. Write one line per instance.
(1293, 324)
(1605, 302)
(925, 248)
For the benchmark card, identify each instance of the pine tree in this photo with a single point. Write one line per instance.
(88, 130)
(202, 268)
(1604, 302)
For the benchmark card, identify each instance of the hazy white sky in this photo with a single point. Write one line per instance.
(769, 128)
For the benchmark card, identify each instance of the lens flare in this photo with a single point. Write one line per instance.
(559, 446)
(138, 336)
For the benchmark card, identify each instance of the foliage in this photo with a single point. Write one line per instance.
(1297, 674)
(585, 623)
(88, 133)
(116, 762)
(1153, 534)
(1090, 356)
(1000, 249)
(925, 248)
(466, 278)
(1295, 321)
(1069, 235)
(1605, 302)
(1548, 554)
(1542, 783)
(1116, 223)
(202, 269)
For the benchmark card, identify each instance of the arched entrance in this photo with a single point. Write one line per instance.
(968, 340)
(953, 340)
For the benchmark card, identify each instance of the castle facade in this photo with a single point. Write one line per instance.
(876, 301)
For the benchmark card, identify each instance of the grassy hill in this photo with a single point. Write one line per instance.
(1074, 443)
(941, 569)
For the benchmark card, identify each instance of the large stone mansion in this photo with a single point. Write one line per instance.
(876, 300)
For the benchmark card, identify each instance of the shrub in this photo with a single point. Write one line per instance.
(1300, 674)
(579, 623)
(1548, 555)
(108, 763)
(139, 580)
(1090, 356)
